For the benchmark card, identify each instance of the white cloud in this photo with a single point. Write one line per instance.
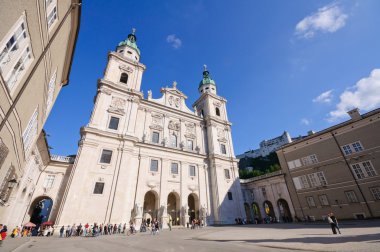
(174, 41)
(325, 97)
(365, 95)
(329, 18)
(305, 121)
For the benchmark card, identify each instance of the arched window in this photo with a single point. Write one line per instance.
(124, 78)
(217, 111)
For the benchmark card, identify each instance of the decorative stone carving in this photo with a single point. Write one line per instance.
(220, 132)
(156, 127)
(126, 68)
(216, 104)
(117, 105)
(105, 91)
(149, 94)
(174, 101)
(174, 125)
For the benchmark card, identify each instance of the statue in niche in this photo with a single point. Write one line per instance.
(149, 94)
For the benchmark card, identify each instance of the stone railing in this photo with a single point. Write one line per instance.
(268, 175)
(63, 159)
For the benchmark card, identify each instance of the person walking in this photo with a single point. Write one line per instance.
(332, 224)
(333, 218)
(170, 222)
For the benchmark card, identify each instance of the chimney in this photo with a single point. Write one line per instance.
(354, 114)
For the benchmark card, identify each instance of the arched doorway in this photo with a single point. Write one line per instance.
(193, 203)
(268, 207)
(40, 210)
(248, 212)
(150, 206)
(256, 211)
(173, 208)
(284, 210)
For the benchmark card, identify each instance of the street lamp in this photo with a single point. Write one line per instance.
(12, 183)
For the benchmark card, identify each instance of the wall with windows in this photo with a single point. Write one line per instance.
(336, 170)
(36, 50)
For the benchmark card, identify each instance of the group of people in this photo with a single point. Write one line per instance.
(92, 230)
(24, 231)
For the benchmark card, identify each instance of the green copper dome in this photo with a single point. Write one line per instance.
(206, 78)
(130, 41)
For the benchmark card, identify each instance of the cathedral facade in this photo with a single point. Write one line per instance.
(152, 158)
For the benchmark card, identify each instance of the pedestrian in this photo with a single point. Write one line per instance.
(3, 233)
(170, 222)
(332, 216)
(332, 224)
(68, 231)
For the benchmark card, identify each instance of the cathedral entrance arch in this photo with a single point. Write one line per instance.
(173, 208)
(193, 203)
(248, 212)
(40, 210)
(150, 206)
(284, 210)
(268, 207)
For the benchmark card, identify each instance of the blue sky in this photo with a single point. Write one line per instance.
(282, 65)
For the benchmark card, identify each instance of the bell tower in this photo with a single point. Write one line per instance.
(118, 96)
(226, 197)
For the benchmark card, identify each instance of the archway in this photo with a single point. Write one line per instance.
(268, 207)
(40, 210)
(150, 206)
(256, 211)
(284, 210)
(248, 212)
(193, 203)
(173, 208)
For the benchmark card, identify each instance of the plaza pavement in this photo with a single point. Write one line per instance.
(356, 236)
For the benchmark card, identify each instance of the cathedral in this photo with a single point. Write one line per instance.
(152, 158)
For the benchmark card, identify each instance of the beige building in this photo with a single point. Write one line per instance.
(145, 158)
(267, 196)
(336, 170)
(37, 41)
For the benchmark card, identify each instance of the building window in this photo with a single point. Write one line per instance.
(30, 133)
(174, 168)
(190, 144)
(114, 123)
(106, 157)
(359, 169)
(154, 165)
(322, 178)
(264, 192)
(348, 148)
(323, 199)
(173, 140)
(217, 111)
(229, 194)
(351, 196)
(227, 174)
(294, 164)
(52, 17)
(192, 171)
(369, 169)
(357, 147)
(124, 78)
(375, 193)
(51, 88)
(49, 180)
(314, 181)
(155, 137)
(99, 186)
(15, 53)
(309, 160)
(310, 201)
(223, 148)
(304, 182)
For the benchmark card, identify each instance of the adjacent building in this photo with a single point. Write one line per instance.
(267, 197)
(152, 158)
(37, 41)
(267, 146)
(336, 170)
